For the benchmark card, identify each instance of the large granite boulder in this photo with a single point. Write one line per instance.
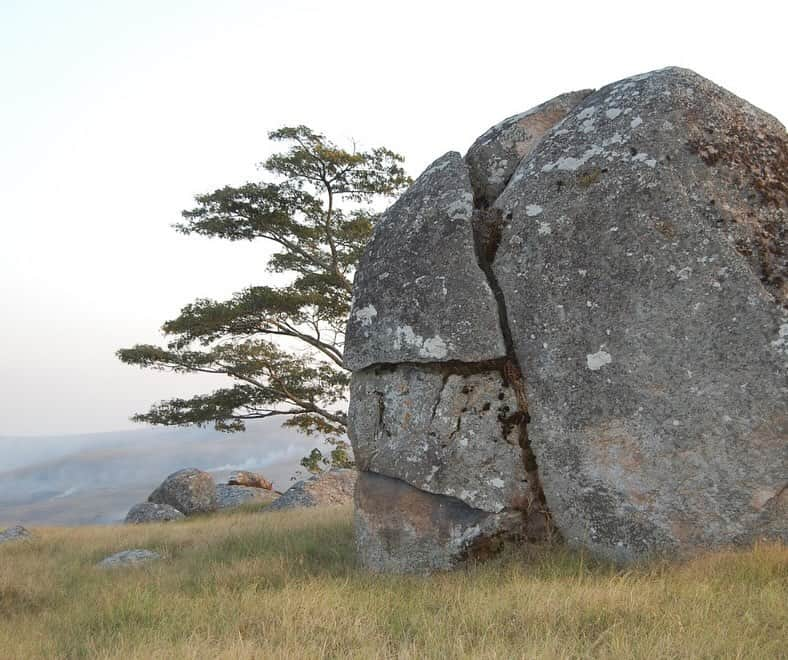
(331, 488)
(628, 296)
(414, 283)
(643, 267)
(495, 155)
(230, 496)
(250, 479)
(146, 512)
(189, 491)
(16, 533)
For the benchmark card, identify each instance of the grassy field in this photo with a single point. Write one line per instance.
(284, 585)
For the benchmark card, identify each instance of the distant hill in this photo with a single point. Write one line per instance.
(95, 478)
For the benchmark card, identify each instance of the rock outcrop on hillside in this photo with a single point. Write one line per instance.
(189, 490)
(597, 343)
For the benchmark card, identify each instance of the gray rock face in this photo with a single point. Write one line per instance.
(17, 533)
(494, 157)
(128, 558)
(632, 287)
(331, 488)
(401, 529)
(444, 433)
(419, 295)
(146, 512)
(230, 496)
(643, 266)
(189, 491)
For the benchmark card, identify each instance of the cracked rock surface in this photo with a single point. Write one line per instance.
(444, 433)
(643, 267)
(625, 298)
(495, 155)
(418, 295)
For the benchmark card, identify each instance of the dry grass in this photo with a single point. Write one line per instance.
(285, 586)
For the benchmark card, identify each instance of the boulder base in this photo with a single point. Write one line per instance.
(146, 512)
(401, 529)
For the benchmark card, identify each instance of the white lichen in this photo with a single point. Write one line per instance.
(532, 210)
(596, 361)
(365, 315)
(433, 348)
(461, 208)
(570, 163)
(781, 343)
(588, 112)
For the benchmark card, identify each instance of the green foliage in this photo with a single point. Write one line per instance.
(338, 457)
(319, 244)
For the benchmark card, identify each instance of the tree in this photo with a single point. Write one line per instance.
(280, 346)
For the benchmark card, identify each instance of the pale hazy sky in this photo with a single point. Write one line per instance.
(114, 114)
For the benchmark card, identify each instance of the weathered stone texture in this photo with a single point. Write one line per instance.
(445, 433)
(401, 529)
(230, 496)
(643, 269)
(189, 491)
(632, 269)
(146, 512)
(419, 295)
(494, 157)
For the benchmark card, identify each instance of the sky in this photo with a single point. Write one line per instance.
(113, 115)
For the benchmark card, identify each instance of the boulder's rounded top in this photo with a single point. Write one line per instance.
(189, 491)
(495, 155)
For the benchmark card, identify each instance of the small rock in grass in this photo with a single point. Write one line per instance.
(14, 534)
(128, 558)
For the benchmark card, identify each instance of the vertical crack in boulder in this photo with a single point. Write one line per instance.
(684, 180)
(487, 231)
